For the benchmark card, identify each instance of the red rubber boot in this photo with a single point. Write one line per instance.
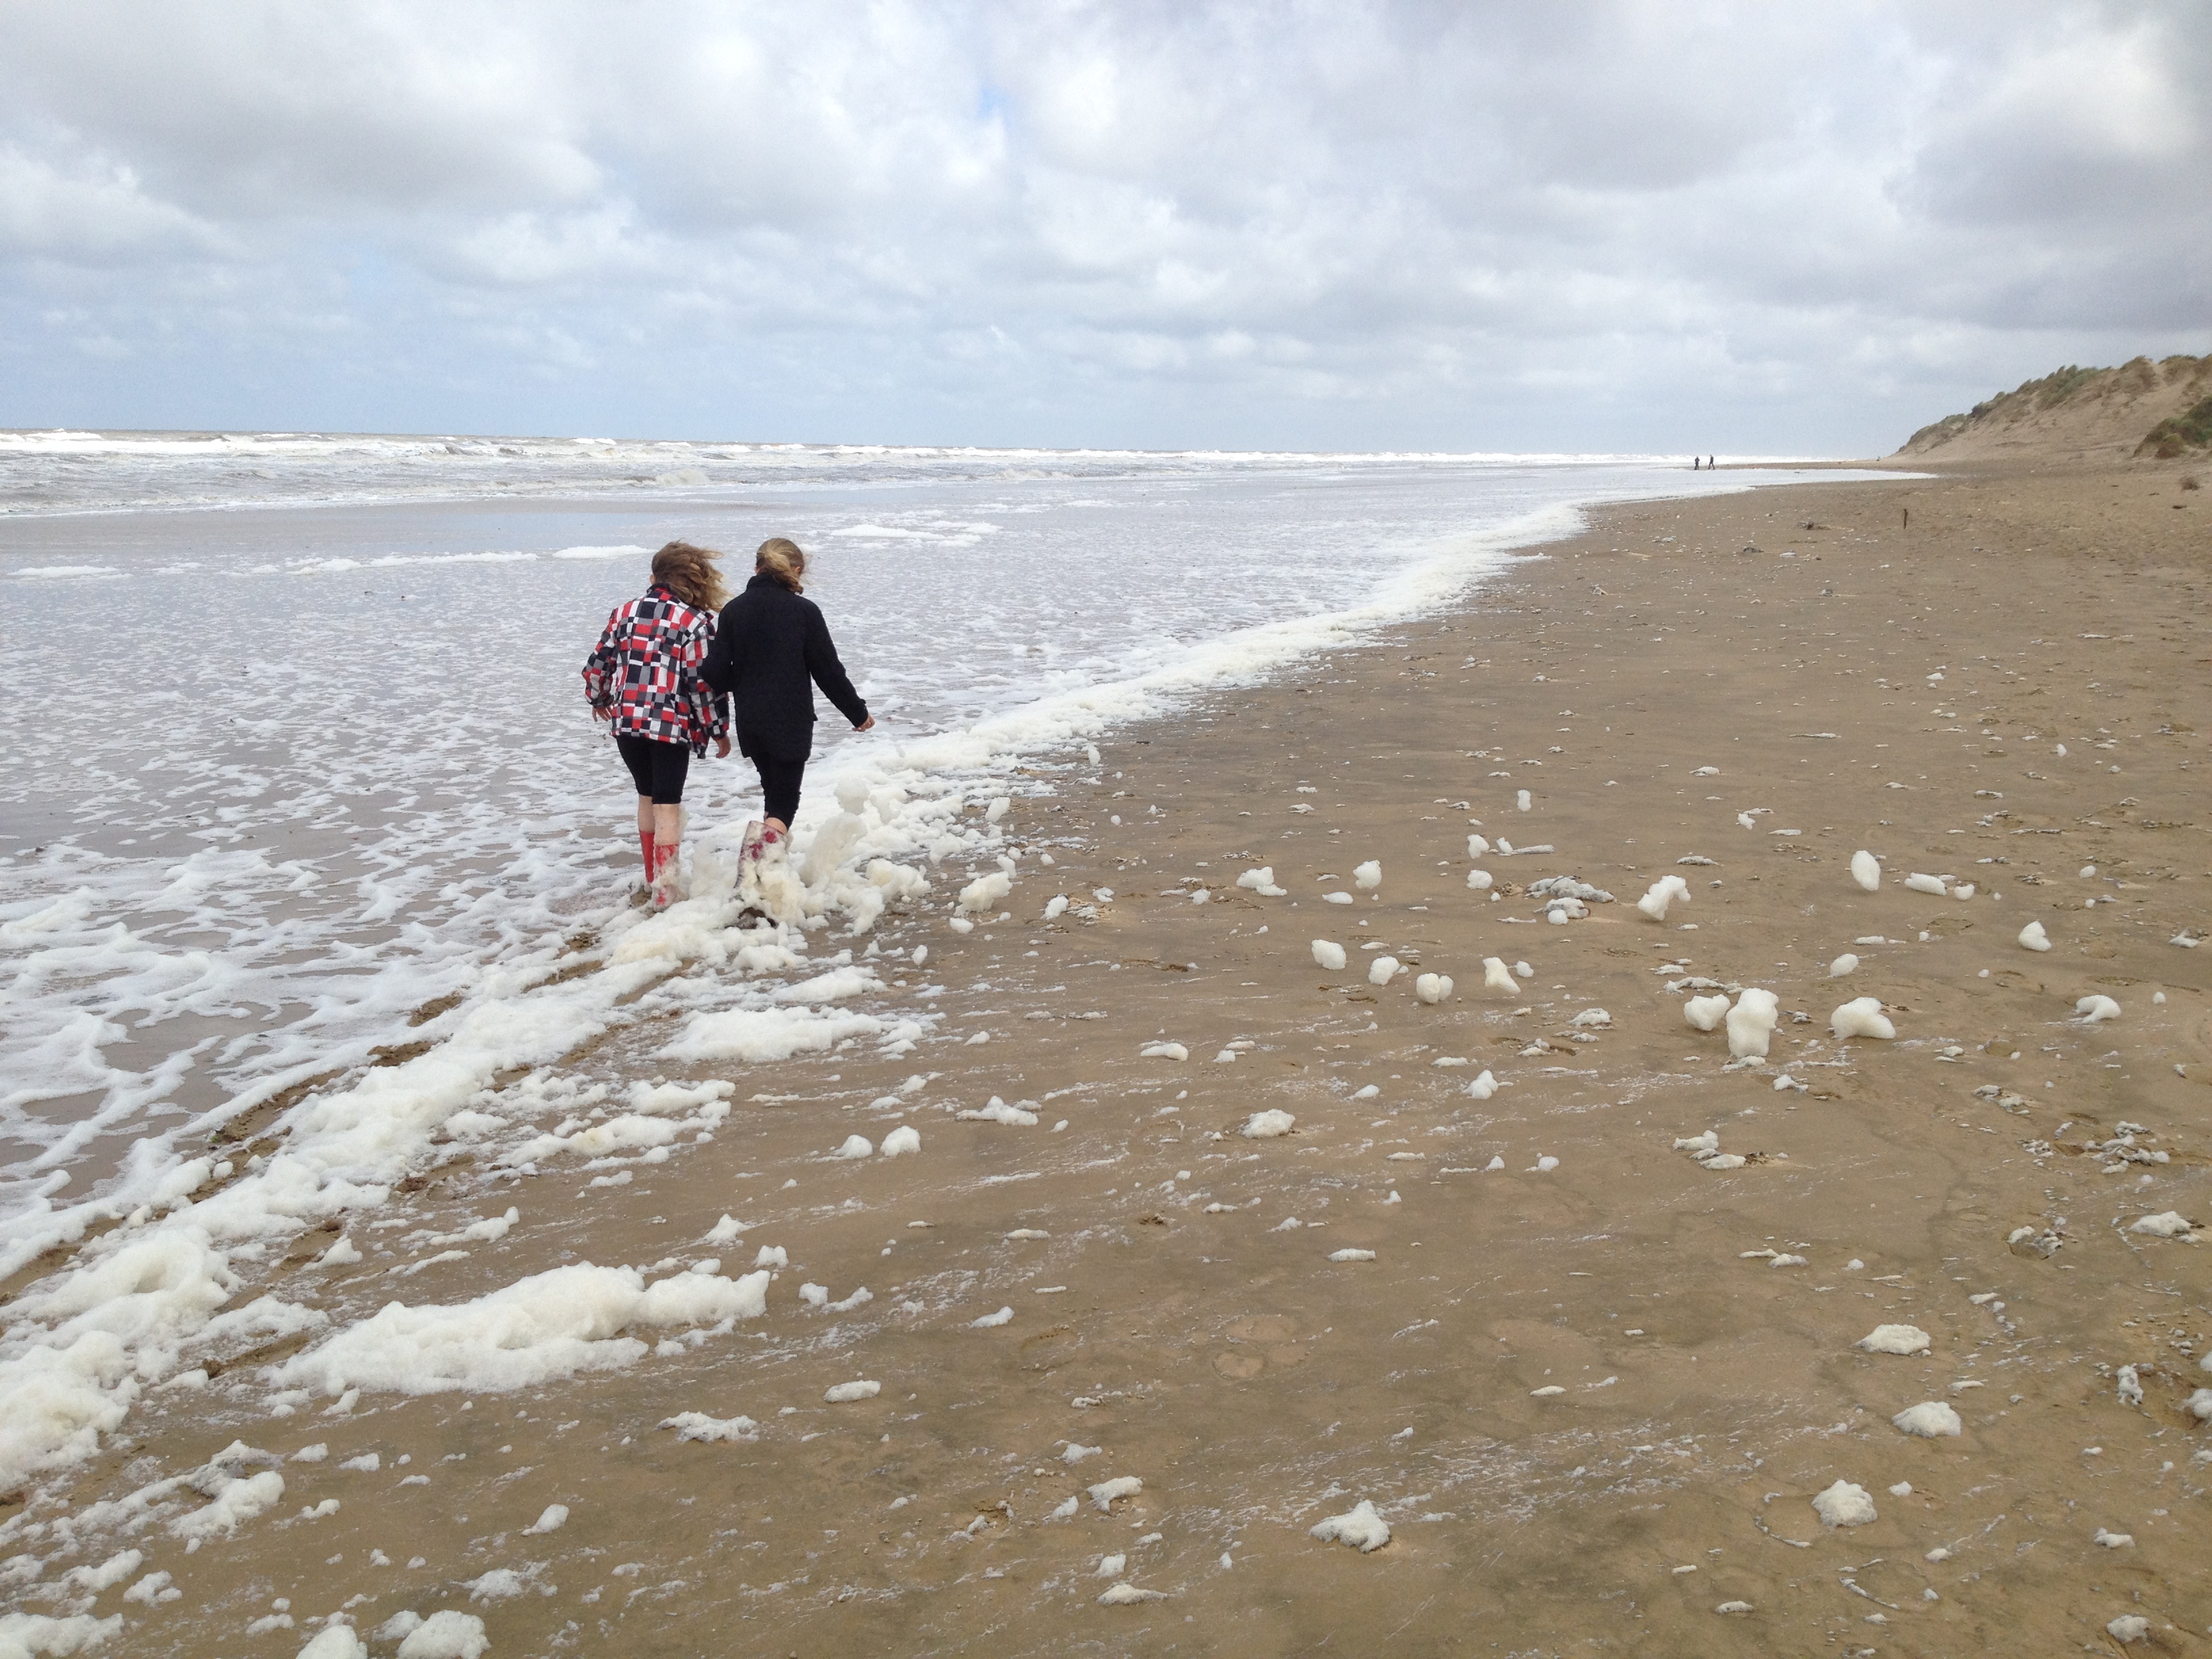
(664, 873)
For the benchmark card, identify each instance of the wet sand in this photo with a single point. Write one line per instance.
(1170, 1318)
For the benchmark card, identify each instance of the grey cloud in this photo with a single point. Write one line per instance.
(1476, 225)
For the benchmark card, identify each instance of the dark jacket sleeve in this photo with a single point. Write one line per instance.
(827, 672)
(721, 668)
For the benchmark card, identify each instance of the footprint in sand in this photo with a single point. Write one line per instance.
(1274, 1335)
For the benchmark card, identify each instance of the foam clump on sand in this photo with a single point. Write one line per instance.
(1368, 876)
(1382, 970)
(1751, 1023)
(1843, 964)
(1107, 1493)
(1895, 1338)
(1592, 1020)
(2171, 1223)
(986, 892)
(1866, 871)
(855, 1147)
(1262, 882)
(1483, 1087)
(1352, 1256)
(1862, 1016)
(697, 1426)
(1929, 1420)
(2033, 938)
(1163, 1051)
(1935, 886)
(1328, 954)
(1432, 988)
(902, 1141)
(2128, 1628)
(446, 1634)
(1705, 1149)
(550, 1325)
(2096, 1010)
(333, 1642)
(1497, 976)
(1125, 1595)
(844, 1394)
(767, 1037)
(1480, 881)
(551, 1518)
(1360, 1526)
(998, 1112)
(1267, 1125)
(992, 1320)
(1668, 890)
(1845, 1505)
(237, 1501)
(1705, 1012)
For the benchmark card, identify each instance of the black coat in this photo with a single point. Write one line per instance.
(770, 643)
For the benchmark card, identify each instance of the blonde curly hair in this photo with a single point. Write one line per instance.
(691, 575)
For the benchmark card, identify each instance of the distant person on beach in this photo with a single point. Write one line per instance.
(644, 679)
(770, 651)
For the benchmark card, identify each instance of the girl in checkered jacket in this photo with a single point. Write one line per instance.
(643, 679)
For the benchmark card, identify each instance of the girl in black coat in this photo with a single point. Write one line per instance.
(771, 649)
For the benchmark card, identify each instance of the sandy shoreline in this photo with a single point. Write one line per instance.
(1169, 1318)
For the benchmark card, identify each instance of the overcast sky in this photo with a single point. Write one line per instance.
(1538, 226)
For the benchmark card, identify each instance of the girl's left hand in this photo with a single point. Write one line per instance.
(721, 749)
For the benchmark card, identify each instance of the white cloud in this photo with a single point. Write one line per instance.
(1485, 225)
(88, 210)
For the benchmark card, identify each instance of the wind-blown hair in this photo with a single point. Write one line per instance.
(782, 560)
(691, 575)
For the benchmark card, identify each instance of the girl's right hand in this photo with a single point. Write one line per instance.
(867, 725)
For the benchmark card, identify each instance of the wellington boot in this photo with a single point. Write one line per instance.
(667, 875)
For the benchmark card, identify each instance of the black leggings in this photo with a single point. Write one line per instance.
(657, 769)
(780, 780)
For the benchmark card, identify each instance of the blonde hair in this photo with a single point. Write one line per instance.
(691, 575)
(782, 560)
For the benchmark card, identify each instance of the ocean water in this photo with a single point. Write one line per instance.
(302, 777)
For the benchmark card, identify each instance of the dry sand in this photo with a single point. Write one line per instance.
(1790, 639)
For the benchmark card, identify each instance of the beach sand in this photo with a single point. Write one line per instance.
(1589, 1404)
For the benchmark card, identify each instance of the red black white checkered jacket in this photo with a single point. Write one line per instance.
(644, 672)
